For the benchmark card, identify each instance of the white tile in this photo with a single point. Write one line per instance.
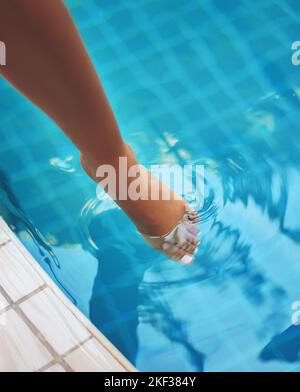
(20, 350)
(55, 321)
(3, 236)
(3, 302)
(92, 357)
(55, 369)
(17, 276)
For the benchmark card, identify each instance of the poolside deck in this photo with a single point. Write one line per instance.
(40, 329)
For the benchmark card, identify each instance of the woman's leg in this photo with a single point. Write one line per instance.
(47, 61)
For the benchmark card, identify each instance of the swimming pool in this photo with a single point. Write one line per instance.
(211, 84)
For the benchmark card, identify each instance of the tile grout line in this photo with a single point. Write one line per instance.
(15, 306)
(65, 354)
(78, 345)
(54, 362)
(6, 296)
(3, 244)
(30, 295)
(6, 309)
(92, 335)
(79, 319)
(56, 357)
(47, 366)
(12, 304)
(49, 284)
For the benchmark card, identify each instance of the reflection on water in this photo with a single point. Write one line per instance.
(231, 309)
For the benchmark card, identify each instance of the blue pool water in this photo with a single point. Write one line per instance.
(207, 82)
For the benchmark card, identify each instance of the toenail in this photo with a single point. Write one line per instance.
(165, 246)
(186, 259)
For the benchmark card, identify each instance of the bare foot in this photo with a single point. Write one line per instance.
(167, 225)
(181, 242)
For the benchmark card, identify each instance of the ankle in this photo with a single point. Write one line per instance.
(91, 163)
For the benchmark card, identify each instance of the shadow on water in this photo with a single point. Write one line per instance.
(283, 347)
(116, 286)
(119, 289)
(253, 169)
(13, 214)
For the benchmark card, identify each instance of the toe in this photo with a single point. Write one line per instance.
(187, 259)
(177, 251)
(182, 254)
(170, 249)
(189, 248)
(192, 240)
(193, 229)
(179, 254)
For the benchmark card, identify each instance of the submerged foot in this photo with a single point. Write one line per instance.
(181, 243)
(169, 226)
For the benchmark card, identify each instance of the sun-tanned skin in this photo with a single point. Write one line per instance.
(48, 63)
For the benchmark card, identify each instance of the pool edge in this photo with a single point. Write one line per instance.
(84, 344)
